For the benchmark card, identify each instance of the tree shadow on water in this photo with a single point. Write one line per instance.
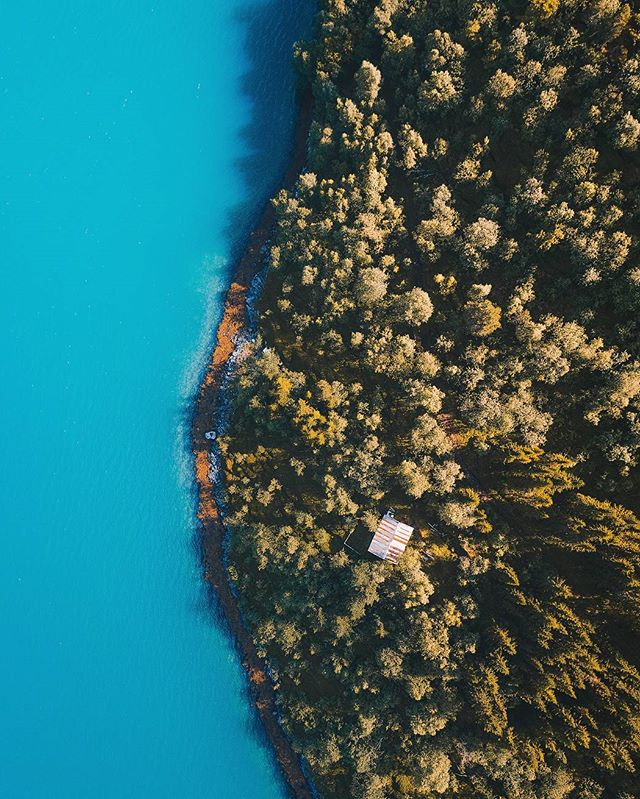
(269, 30)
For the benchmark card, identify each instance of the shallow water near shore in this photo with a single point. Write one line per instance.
(137, 143)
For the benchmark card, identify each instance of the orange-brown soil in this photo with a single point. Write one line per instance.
(211, 523)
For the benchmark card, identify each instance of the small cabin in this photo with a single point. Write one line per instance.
(391, 538)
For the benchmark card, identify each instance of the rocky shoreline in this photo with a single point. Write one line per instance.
(207, 403)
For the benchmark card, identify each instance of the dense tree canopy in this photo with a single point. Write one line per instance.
(451, 327)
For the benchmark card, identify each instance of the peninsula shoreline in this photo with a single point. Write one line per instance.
(209, 397)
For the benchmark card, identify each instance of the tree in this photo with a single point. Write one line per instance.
(457, 514)
(501, 86)
(368, 79)
(482, 317)
(371, 285)
(439, 91)
(415, 307)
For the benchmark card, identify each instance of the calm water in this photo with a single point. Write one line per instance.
(137, 140)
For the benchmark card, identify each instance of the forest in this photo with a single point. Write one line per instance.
(450, 327)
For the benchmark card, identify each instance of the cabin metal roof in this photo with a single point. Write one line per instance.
(391, 539)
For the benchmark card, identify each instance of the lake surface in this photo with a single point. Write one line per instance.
(137, 142)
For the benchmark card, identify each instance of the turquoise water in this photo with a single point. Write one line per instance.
(137, 140)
